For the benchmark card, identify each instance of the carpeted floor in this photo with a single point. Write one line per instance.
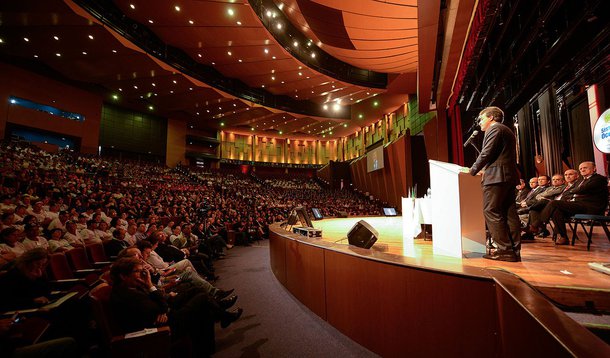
(274, 323)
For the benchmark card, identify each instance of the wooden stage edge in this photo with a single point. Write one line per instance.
(560, 273)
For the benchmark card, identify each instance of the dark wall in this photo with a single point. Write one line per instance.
(134, 132)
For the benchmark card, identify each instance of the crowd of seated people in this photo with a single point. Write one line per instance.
(174, 226)
(557, 201)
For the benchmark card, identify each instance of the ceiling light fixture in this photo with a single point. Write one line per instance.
(191, 22)
(84, 52)
(230, 12)
(150, 21)
(177, 8)
(26, 39)
(132, 6)
(58, 54)
(229, 53)
(266, 50)
(91, 37)
(56, 38)
(239, 23)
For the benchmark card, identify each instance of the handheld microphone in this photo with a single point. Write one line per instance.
(474, 134)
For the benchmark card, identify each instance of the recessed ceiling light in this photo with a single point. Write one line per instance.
(151, 107)
(239, 60)
(269, 13)
(300, 73)
(239, 22)
(278, 26)
(84, 52)
(132, 6)
(313, 55)
(273, 78)
(191, 22)
(154, 85)
(207, 110)
(56, 38)
(229, 53)
(234, 105)
(35, 56)
(26, 39)
(263, 86)
(113, 51)
(134, 86)
(115, 96)
(282, 82)
(172, 91)
(213, 63)
(175, 81)
(199, 55)
(295, 44)
(58, 54)
(273, 57)
(190, 88)
(325, 107)
(120, 89)
(230, 12)
(266, 50)
(222, 124)
(177, 8)
(151, 21)
(368, 93)
(91, 37)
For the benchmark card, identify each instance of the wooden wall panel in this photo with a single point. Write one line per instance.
(277, 245)
(305, 275)
(400, 311)
(393, 181)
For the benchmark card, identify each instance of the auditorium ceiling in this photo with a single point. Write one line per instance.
(230, 40)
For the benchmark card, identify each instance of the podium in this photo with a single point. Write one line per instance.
(458, 223)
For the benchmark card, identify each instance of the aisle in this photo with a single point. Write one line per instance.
(274, 323)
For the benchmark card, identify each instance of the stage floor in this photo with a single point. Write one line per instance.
(543, 263)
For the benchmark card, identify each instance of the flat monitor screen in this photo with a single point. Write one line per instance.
(303, 216)
(317, 215)
(389, 211)
(374, 159)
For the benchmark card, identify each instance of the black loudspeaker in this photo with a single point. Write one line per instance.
(362, 235)
(342, 214)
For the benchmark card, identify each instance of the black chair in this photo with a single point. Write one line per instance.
(587, 222)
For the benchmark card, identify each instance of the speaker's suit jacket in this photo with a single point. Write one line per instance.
(498, 156)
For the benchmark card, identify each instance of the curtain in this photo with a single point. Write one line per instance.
(526, 140)
(580, 131)
(550, 132)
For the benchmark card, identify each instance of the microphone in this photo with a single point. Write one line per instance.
(474, 134)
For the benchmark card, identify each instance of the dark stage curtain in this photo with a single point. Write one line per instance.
(580, 131)
(550, 131)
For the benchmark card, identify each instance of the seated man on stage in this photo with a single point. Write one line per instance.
(539, 202)
(571, 178)
(542, 184)
(589, 196)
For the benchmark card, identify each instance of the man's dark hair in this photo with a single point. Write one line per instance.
(495, 112)
(144, 244)
(122, 266)
(30, 256)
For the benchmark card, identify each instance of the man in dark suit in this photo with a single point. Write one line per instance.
(498, 159)
(539, 202)
(589, 196)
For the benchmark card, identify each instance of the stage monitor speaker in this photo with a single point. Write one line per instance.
(342, 214)
(362, 235)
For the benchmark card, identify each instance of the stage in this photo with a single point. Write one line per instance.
(550, 268)
(399, 300)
